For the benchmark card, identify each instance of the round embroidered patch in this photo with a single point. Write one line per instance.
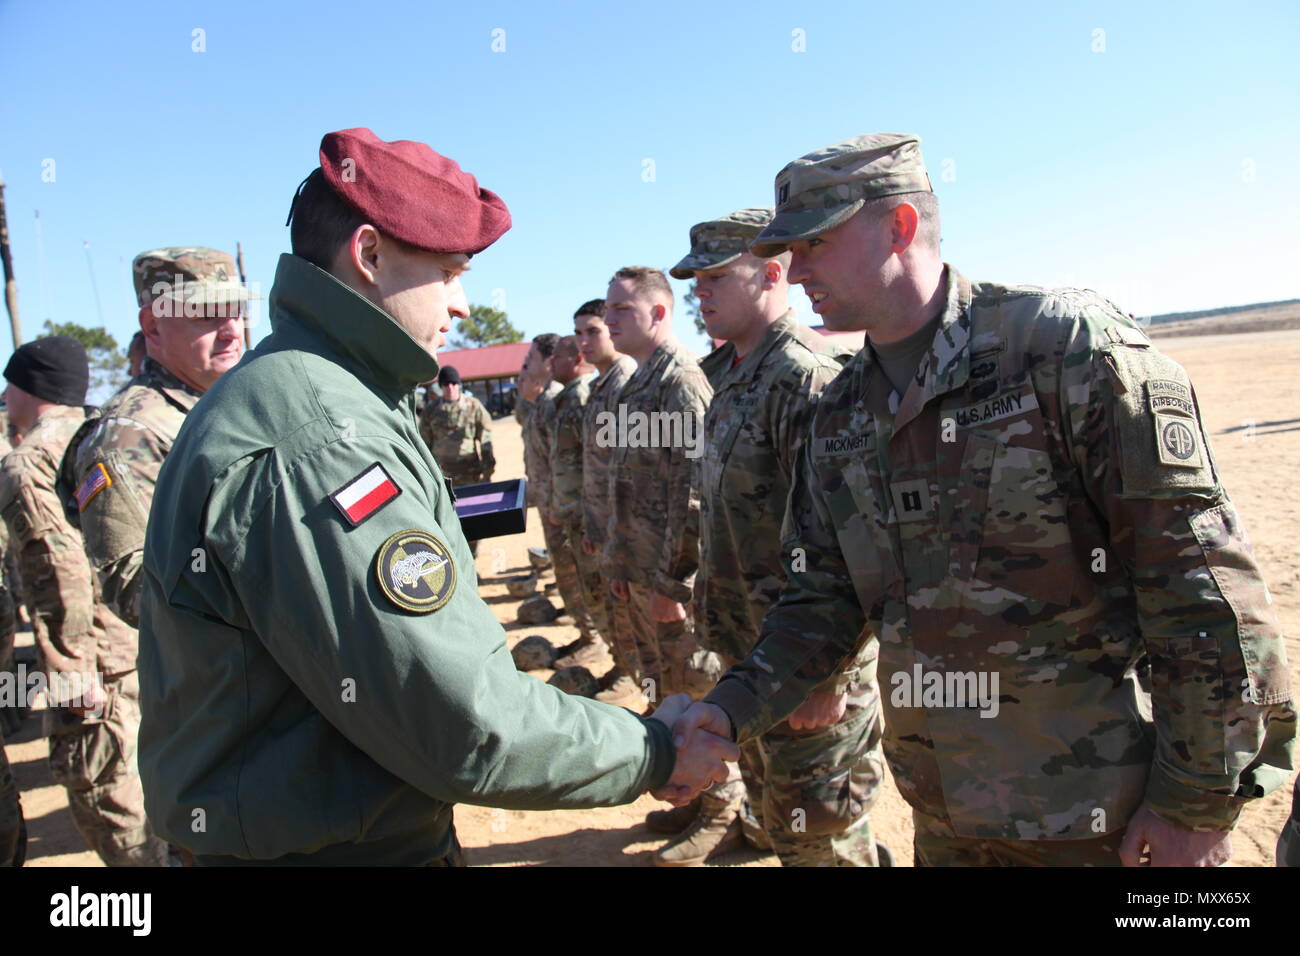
(415, 571)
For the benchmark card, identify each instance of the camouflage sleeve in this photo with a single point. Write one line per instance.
(542, 422)
(485, 442)
(791, 404)
(56, 578)
(1220, 698)
(566, 464)
(425, 424)
(816, 625)
(687, 395)
(113, 521)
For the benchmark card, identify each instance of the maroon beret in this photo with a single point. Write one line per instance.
(412, 193)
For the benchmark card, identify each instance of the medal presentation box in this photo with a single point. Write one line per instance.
(491, 509)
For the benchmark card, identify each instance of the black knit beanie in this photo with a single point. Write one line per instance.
(53, 368)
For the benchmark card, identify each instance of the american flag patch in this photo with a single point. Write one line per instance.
(365, 494)
(96, 481)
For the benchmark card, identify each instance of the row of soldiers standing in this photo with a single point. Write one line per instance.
(669, 548)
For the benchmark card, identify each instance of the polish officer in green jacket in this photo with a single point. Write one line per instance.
(320, 680)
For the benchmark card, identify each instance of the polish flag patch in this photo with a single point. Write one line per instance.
(365, 494)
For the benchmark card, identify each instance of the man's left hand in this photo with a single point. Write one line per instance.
(819, 710)
(1171, 845)
(665, 610)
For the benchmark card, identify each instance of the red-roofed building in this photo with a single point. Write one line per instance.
(490, 372)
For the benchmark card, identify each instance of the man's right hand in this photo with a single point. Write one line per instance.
(619, 589)
(700, 762)
(701, 716)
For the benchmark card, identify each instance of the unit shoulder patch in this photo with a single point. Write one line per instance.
(415, 571)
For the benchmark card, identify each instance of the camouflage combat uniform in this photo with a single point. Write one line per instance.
(610, 614)
(652, 536)
(809, 789)
(126, 441)
(569, 406)
(8, 612)
(459, 434)
(13, 831)
(1040, 508)
(535, 454)
(92, 757)
(538, 440)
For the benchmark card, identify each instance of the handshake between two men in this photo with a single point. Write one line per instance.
(702, 735)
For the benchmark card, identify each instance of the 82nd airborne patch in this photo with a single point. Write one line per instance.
(415, 571)
(1176, 441)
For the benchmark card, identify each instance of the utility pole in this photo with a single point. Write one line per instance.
(11, 285)
(243, 281)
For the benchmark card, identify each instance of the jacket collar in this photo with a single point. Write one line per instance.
(783, 328)
(155, 375)
(944, 368)
(366, 340)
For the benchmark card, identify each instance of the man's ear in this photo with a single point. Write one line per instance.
(149, 326)
(362, 252)
(772, 271)
(903, 227)
(657, 312)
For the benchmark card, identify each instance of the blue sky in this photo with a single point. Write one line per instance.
(1150, 151)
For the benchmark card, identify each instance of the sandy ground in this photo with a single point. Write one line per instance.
(1242, 382)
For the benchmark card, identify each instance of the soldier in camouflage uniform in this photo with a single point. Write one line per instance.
(458, 430)
(651, 547)
(565, 513)
(10, 717)
(537, 413)
(81, 642)
(812, 779)
(192, 316)
(13, 830)
(622, 680)
(535, 386)
(1020, 518)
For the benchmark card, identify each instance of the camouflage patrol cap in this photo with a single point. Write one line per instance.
(191, 275)
(820, 191)
(722, 240)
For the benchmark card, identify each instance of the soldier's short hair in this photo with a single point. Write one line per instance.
(594, 307)
(320, 222)
(568, 343)
(546, 343)
(646, 279)
(927, 210)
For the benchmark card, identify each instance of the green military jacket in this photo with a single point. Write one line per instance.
(605, 390)
(459, 434)
(566, 450)
(1036, 514)
(656, 432)
(318, 674)
(109, 472)
(754, 431)
(74, 630)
